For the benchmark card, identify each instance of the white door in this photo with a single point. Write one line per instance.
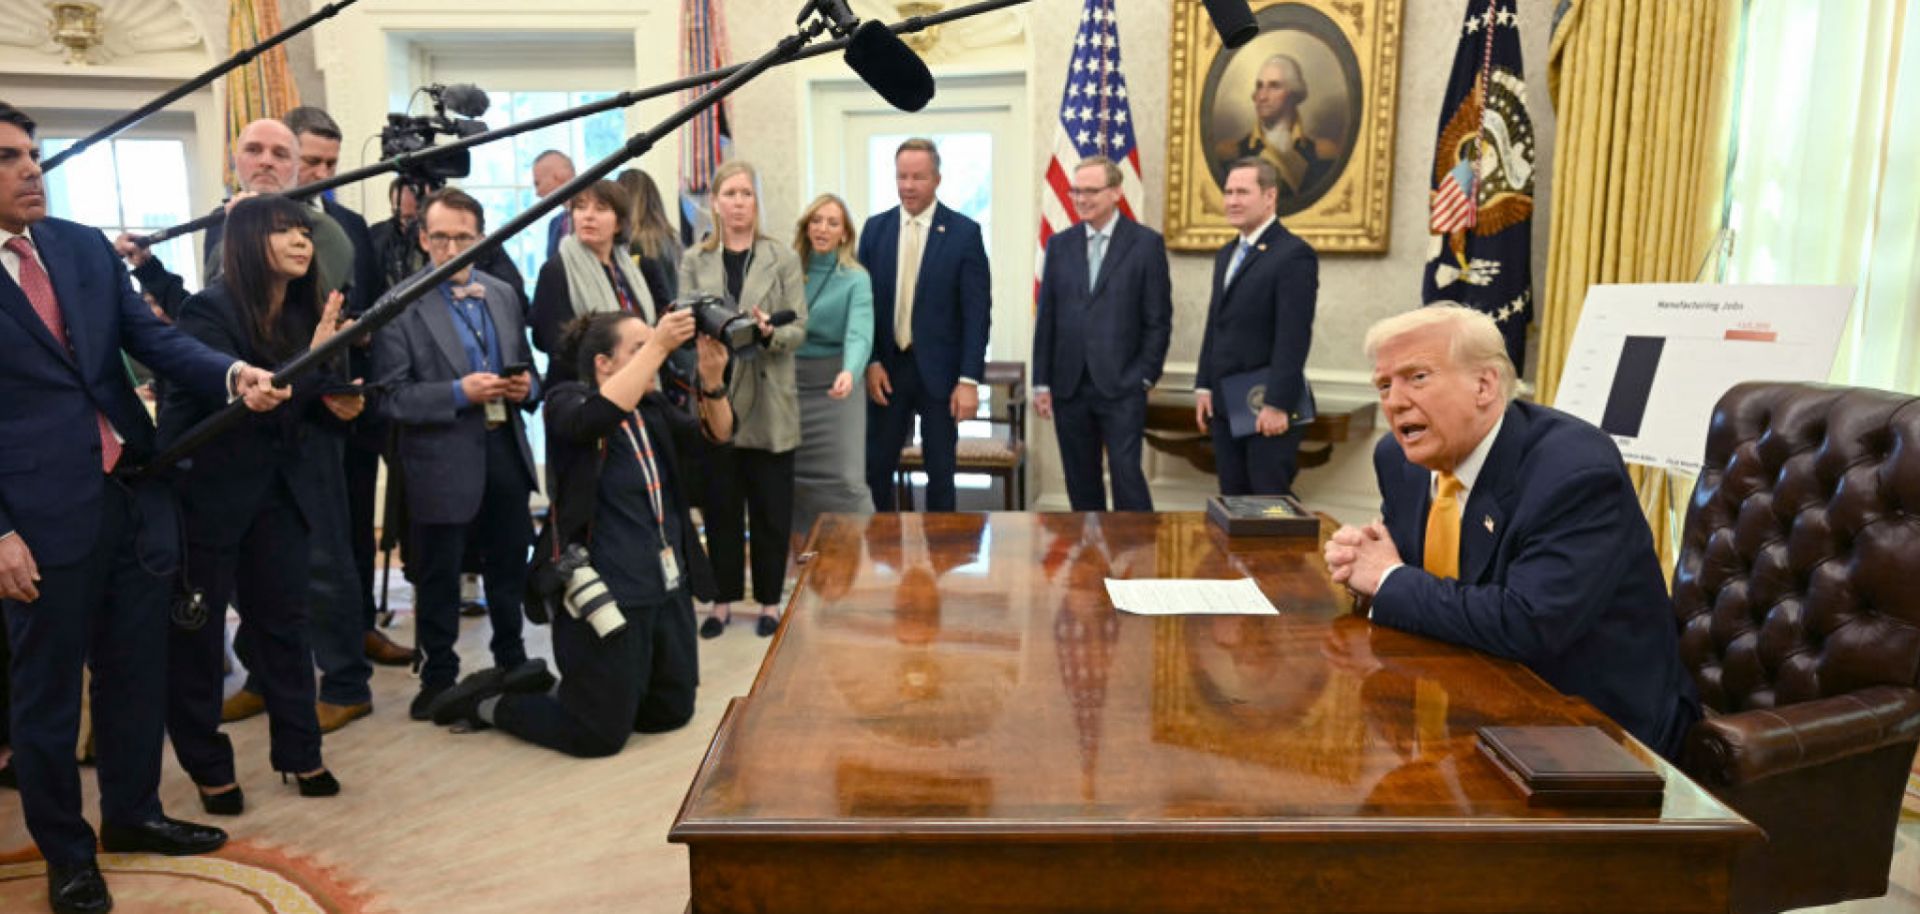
(980, 124)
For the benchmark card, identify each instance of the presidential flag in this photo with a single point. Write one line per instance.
(1481, 202)
(1094, 120)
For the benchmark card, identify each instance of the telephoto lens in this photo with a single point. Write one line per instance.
(587, 596)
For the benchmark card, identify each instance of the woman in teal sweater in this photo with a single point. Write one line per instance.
(829, 472)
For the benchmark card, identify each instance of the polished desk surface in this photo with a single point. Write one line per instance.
(963, 681)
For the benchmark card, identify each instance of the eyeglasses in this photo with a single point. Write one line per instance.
(1087, 191)
(441, 240)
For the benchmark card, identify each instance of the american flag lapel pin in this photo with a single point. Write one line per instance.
(941, 229)
(1262, 246)
(1488, 521)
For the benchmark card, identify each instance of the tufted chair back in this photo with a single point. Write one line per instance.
(1797, 591)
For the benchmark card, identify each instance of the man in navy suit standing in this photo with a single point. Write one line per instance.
(1521, 531)
(932, 311)
(87, 557)
(1260, 320)
(1100, 339)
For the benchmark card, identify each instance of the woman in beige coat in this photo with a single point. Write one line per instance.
(763, 278)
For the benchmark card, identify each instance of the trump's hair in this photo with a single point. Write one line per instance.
(1474, 340)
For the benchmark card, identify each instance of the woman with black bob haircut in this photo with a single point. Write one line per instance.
(250, 498)
(630, 663)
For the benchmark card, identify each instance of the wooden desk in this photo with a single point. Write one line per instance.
(953, 718)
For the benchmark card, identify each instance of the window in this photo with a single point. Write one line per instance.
(502, 175)
(137, 185)
(966, 173)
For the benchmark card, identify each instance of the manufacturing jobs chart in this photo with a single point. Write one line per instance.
(1649, 361)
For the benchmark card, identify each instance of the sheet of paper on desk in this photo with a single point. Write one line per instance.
(1190, 597)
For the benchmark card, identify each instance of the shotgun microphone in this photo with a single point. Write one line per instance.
(1233, 19)
(883, 61)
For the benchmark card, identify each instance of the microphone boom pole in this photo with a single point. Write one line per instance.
(181, 91)
(622, 100)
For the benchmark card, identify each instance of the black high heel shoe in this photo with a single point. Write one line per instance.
(225, 803)
(319, 785)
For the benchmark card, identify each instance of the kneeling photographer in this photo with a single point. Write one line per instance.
(615, 558)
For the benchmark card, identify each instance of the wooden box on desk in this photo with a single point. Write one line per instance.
(1262, 515)
(1562, 766)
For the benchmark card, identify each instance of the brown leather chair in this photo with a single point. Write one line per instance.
(1004, 459)
(1798, 595)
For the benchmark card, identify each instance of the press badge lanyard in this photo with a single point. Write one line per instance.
(656, 498)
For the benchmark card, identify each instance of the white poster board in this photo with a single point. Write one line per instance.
(1649, 361)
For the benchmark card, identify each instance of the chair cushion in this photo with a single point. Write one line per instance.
(974, 454)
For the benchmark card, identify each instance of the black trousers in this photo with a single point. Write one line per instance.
(1088, 423)
(641, 679)
(761, 483)
(890, 426)
(6, 662)
(1255, 465)
(108, 612)
(504, 531)
(264, 576)
(363, 478)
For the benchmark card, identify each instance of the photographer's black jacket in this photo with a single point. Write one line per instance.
(580, 423)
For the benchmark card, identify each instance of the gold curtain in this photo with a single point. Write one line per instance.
(1641, 92)
(264, 87)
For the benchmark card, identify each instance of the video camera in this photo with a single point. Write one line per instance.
(406, 133)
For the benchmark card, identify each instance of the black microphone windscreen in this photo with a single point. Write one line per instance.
(783, 317)
(885, 63)
(466, 99)
(1233, 19)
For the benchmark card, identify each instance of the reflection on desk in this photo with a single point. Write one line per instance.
(950, 687)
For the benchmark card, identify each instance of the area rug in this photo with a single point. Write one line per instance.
(241, 878)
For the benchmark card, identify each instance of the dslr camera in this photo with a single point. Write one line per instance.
(716, 318)
(586, 596)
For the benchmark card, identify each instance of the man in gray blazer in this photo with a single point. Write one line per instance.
(1104, 317)
(455, 371)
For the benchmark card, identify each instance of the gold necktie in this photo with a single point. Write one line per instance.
(909, 275)
(1442, 558)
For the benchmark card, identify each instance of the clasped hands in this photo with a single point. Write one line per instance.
(1358, 556)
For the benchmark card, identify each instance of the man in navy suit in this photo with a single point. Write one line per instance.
(550, 170)
(87, 558)
(1522, 533)
(446, 365)
(1100, 339)
(1260, 320)
(932, 311)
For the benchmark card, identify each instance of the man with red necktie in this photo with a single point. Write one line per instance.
(87, 557)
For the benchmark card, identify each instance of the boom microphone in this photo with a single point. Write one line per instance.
(1233, 19)
(885, 63)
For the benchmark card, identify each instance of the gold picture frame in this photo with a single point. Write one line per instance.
(1337, 177)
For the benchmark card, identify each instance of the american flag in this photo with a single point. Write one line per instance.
(1094, 120)
(1453, 206)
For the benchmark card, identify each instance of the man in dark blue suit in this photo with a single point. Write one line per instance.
(550, 170)
(1260, 320)
(932, 311)
(1100, 339)
(1523, 535)
(87, 558)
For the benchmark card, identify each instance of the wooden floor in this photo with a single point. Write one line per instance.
(432, 821)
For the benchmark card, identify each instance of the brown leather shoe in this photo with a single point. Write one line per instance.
(242, 705)
(333, 717)
(382, 650)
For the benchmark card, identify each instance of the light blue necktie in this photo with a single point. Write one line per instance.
(1096, 250)
(1239, 257)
